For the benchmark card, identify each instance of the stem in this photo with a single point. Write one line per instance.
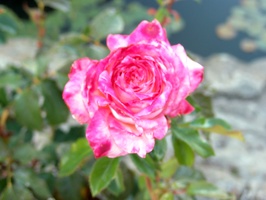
(9, 172)
(170, 5)
(149, 187)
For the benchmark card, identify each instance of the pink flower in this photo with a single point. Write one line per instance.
(125, 97)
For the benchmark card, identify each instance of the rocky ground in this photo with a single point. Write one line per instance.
(239, 98)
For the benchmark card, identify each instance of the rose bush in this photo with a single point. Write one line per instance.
(127, 97)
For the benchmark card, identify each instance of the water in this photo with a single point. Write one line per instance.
(201, 20)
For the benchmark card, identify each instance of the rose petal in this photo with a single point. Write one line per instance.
(195, 70)
(158, 126)
(146, 32)
(73, 95)
(128, 139)
(99, 136)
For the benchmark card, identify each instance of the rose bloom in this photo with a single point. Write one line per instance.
(125, 98)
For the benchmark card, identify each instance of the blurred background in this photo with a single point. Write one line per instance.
(228, 37)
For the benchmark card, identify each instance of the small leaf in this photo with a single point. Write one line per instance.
(167, 196)
(3, 97)
(80, 150)
(27, 110)
(25, 153)
(56, 110)
(188, 175)
(8, 194)
(183, 152)
(97, 52)
(202, 103)
(61, 80)
(107, 22)
(161, 14)
(28, 179)
(169, 168)
(206, 189)
(216, 125)
(192, 138)
(63, 5)
(159, 150)
(70, 187)
(102, 173)
(11, 80)
(8, 21)
(116, 187)
(143, 165)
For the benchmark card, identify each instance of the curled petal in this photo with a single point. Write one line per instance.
(99, 136)
(158, 126)
(195, 70)
(146, 32)
(130, 140)
(73, 92)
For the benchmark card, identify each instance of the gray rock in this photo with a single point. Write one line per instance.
(229, 76)
(17, 50)
(239, 98)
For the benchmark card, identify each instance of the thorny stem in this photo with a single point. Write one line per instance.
(4, 117)
(170, 5)
(149, 187)
(37, 16)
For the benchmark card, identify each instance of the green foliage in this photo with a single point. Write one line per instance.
(53, 102)
(144, 165)
(79, 151)
(27, 109)
(206, 189)
(8, 23)
(193, 140)
(106, 22)
(102, 173)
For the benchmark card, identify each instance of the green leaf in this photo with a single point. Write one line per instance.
(3, 37)
(63, 5)
(215, 125)
(70, 187)
(159, 150)
(116, 187)
(11, 80)
(8, 23)
(25, 153)
(188, 175)
(183, 152)
(80, 150)
(27, 110)
(144, 165)
(106, 22)
(202, 103)
(56, 110)
(169, 168)
(61, 80)
(8, 194)
(29, 179)
(97, 52)
(3, 97)
(161, 13)
(192, 138)
(206, 189)
(167, 196)
(14, 191)
(4, 151)
(74, 133)
(102, 173)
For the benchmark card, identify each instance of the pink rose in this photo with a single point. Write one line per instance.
(125, 97)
